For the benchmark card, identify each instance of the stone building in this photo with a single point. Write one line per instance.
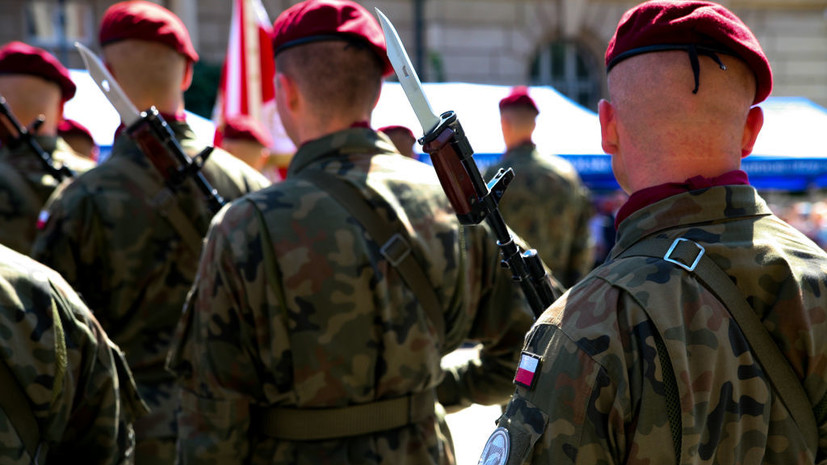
(537, 42)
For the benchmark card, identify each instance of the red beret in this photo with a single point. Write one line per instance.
(706, 27)
(518, 97)
(316, 20)
(247, 128)
(72, 127)
(144, 20)
(20, 58)
(392, 128)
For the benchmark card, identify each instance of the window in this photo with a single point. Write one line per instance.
(570, 68)
(58, 24)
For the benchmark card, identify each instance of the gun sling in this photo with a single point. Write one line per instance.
(691, 257)
(393, 239)
(314, 424)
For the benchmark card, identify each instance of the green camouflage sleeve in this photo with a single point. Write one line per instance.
(211, 357)
(501, 317)
(579, 406)
(82, 392)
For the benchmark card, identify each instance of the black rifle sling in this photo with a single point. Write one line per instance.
(691, 257)
(392, 238)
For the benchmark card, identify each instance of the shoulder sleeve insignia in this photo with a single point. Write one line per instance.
(527, 370)
(495, 451)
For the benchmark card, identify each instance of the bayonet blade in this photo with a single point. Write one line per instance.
(109, 86)
(407, 76)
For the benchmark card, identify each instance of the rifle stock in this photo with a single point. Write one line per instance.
(475, 201)
(157, 141)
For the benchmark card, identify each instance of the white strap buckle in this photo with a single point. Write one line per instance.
(694, 264)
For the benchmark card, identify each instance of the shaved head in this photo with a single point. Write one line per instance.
(661, 123)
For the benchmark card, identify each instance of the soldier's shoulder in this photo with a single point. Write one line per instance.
(66, 156)
(225, 164)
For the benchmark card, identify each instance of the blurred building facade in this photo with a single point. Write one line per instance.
(509, 42)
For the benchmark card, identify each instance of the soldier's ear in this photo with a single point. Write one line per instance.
(187, 80)
(288, 89)
(755, 121)
(608, 126)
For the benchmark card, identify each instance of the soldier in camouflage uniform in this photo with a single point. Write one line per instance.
(547, 205)
(130, 249)
(301, 343)
(640, 362)
(60, 369)
(34, 84)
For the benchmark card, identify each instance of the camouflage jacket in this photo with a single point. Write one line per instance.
(326, 321)
(105, 235)
(81, 392)
(549, 206)
(25, 187)
(599, 392)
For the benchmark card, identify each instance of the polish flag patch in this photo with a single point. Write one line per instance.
(527, 370)
(42, 219)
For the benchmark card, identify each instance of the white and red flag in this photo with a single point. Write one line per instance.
(246, 86)
(527, 370)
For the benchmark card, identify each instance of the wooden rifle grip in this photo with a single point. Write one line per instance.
(451, 172)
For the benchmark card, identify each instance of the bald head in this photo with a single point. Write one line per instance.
(654, 121)
(150, 73)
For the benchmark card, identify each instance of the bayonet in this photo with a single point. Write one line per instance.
(453, 159)
(109, 86)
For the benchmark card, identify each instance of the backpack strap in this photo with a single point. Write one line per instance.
(392, 237)
(691, 257)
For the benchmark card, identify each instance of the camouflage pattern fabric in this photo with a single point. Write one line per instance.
(25, 187)
(129, 264)
(549, 206)
(600, 393)
(80, 389)
(330, 323)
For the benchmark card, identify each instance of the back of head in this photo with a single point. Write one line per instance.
(682, 77)
(402, 137)
(34, 83)
(518, 116)
(149, 51)
(335, 52)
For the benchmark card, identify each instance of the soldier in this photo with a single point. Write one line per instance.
(547, 204)
(126, 242)
(403, 139)
(68, 396)
(652, 358)
(34, 84)
(246, 138)
(323, 304)
(79, 138)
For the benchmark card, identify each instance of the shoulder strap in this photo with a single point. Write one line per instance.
(393, 239)
(691, 257)
(164, 199)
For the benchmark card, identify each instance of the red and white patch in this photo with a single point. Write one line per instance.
(527, 371)
(42, 219)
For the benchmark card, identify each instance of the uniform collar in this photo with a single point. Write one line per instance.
(653, 194)
(687, 208)
(351, 141)
(126, 146)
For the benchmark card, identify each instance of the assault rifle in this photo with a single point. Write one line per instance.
(23, 135)
(472, 199)
(154, 136)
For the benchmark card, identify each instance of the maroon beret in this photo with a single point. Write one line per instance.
(518, 98)
(71, 127)
(394, 128)
(20, 58)
(316, 20)
(144, 20)
(703, 28)
(247, 128)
